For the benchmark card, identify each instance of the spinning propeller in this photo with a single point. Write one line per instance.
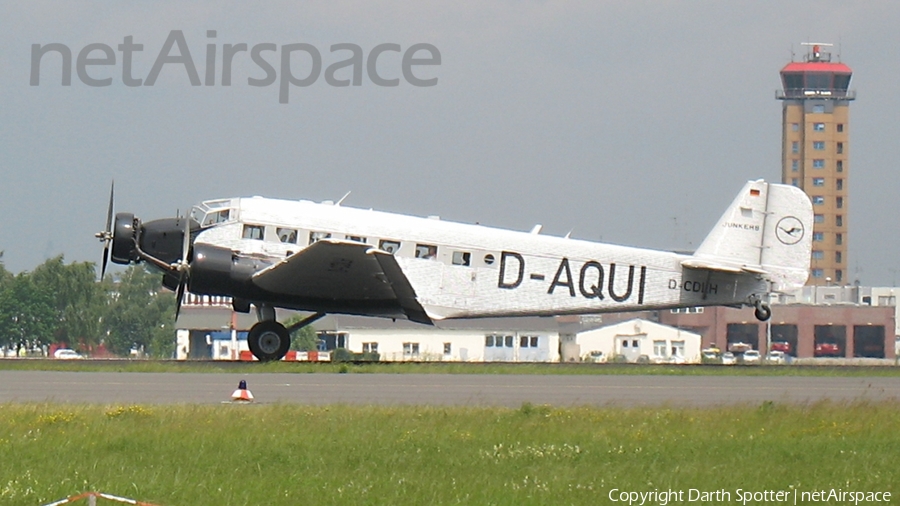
(183, 267)
(106, 235)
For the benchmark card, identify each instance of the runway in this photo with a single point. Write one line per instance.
(438, 389)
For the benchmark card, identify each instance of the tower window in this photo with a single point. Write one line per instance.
(840, 127)
(819, 145)
(840, 202)
(818, 200)
(840, 148)
(818, 181)
(795, 182)
(840, 166)
(840, 184)
(795, 147)
(795, 164)
(838, 257)
(818, 254)
(839, 220)
(818, 109)
(839, 239)
(795, 127)
(839, 275)
(818, 236)
(819, 164)
(819, 127)
(819, 218)
(817, 273)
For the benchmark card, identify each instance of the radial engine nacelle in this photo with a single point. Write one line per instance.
(162, 240)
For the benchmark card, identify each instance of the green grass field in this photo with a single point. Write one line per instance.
(292, 454)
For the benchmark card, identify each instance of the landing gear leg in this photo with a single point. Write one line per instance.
(763, 312)
(268, 340)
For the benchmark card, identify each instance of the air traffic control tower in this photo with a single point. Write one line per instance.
(815, 150)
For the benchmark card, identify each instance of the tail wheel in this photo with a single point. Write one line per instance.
(269, 340)
(763, 312)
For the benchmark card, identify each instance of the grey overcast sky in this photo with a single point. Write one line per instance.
(632, 122)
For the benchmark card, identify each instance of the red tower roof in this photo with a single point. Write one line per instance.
(817, 66)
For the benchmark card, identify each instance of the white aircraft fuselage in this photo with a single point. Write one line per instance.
(507, 273)
(328, 258)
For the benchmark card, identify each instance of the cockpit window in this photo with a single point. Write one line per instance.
(213, 212)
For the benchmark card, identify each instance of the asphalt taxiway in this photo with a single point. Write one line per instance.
(439, 389)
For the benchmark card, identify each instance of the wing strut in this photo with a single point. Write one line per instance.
(304, 322)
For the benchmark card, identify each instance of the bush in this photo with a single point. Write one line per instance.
(345, 355)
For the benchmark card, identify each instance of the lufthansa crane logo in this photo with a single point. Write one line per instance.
(789, 230)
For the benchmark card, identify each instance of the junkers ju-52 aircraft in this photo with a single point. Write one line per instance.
(328, 258)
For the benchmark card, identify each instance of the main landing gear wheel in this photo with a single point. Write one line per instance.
(269, 340)
(763, 312)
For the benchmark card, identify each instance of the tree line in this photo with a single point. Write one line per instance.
(64, 303)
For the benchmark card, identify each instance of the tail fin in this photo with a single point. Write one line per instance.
(767, 230)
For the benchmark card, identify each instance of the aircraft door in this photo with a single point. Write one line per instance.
(629, 346)
(458, 281)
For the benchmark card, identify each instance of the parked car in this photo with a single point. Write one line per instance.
(66, 354)
(710, 354)
(776, 357)
(739, 347)
(728, 358)
(782, 346)
(828, 350)
(751, 357)
(596, 356)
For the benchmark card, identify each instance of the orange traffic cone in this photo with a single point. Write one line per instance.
(242, 394)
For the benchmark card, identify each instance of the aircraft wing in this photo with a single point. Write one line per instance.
(342, 271)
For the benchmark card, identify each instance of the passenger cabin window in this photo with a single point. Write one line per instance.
(287, 235)
(389, 246)
(256, 232)
(461, 258)
(355, 238)
(315, 237)
(426, 251)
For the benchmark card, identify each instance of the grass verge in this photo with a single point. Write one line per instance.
(444, 368)
(287, 454)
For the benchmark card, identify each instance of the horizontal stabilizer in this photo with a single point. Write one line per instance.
(693, 263)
